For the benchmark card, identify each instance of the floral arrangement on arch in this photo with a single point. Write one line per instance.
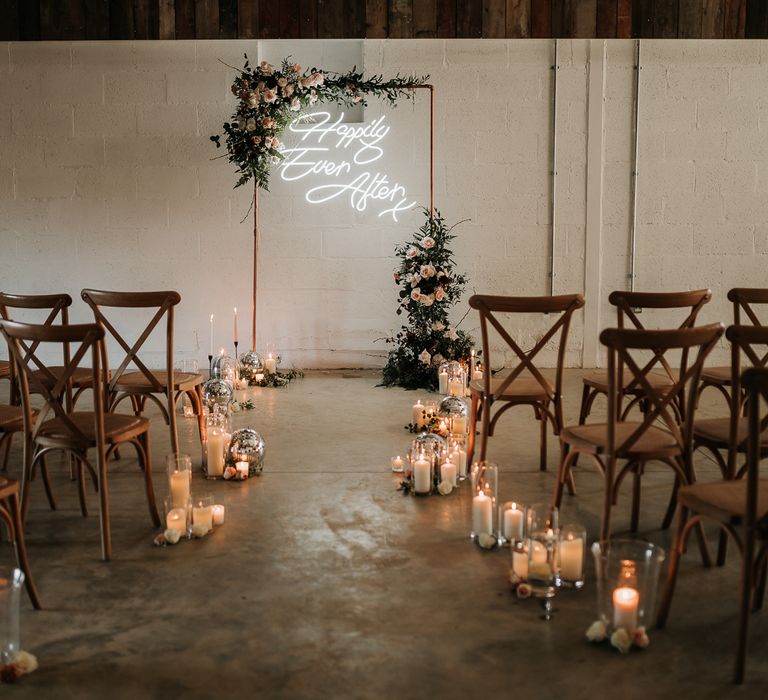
(429, 287)
(270, 98)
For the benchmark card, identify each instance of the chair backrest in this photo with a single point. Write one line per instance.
(629, 304)
(755, 382)
(750, 342)
(625, 346)
(490, 307)
(56, 304)
(744, 299)
(163, 303)
(83, 338)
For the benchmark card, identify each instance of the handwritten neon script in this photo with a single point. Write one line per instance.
(320, 141)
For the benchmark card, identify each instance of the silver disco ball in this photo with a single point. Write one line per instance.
(430, 440)
(225, 367)
(247, 446)
(251, 364)
(216, 392)
(452, 406)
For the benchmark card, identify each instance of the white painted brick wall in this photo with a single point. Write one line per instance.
(108, 179)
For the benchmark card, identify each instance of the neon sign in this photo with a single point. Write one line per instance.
(343, 153)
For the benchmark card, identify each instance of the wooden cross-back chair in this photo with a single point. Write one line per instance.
(659, 436)
(144, 384)
(744, 301)
(739, 507)
(55, 428)
(523, 384)
(628, 307)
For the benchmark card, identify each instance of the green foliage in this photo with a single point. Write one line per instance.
(270, 99)
(429, 287)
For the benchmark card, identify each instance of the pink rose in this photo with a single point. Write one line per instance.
(269, 96)
(411, 252)
(416, 294)
(439, 294)
(267, 122)
(427, 271)
(427, 242)
(296, 68)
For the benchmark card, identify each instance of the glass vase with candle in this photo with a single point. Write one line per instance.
(485, 487)
(512, 522)
(202, 511)
(179, 468)
(250, 365)
(571, 547)
(457, 453)
(541, 516)
(225, 368)
(456, 413)
(246, 453)
(423, 470)
(11, 581)
(215, 443)
(442, 378)
(627, 573)
(456, 379)
(542, 566)
(177, 517)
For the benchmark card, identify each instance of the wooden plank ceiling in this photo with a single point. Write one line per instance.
(377, 19)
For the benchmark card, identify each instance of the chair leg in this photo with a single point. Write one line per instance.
(636, 481)
(147, 460)
(473, 413)
(47, 482)
(584, 407)
(485, 428)
(6, 441)
(671, 507)
(701, 537)
(172, 422)
(567, 458)
(543, 437)
(605, 521)
(197, 395)
(674, 564)
(81, 488)
(747, 588)
(722, 548)
(21, 551)
(106, 534)
(757, 602)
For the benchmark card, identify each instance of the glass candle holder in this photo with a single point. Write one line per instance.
(454, 410)
(448, 472)
(398, 464)
(11, 581)
(179, 468)
(542, 566)
(571, 547)
(202, 511)
(178, 518)
(215, 443)
(627, 574)
(457, 448)
(442, 378)
(512, 522)
(519, 561)
(245, 454)
(423, 468)
(456, 379)
(485, 485)
(541, 516)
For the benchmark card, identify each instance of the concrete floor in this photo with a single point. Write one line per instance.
(325, 582)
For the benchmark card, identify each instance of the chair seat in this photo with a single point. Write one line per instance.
(8, 486)
(716, 375)
(11, 419)
(5, 369)
(81, 377)
(118, 427)
(725, 501)
(598, 380)
(137, 382)
(593, 437)
(718, 431)
(524, 388)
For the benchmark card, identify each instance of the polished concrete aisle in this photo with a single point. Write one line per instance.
(325, 582)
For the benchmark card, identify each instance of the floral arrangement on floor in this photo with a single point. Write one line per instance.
(260, 377)
(621, 638)
(429, 288)
(22, 664)
(270, 99)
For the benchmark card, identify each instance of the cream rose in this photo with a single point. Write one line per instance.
(427, 271)
(415, 294)
(437, 326)
(25, 662)
(427, 299)
(439, 294)
(597, 631)
(288, 90)
(172, 535)
(621, 640)
(267, 122)
(269, 96)
(411, 252)
(250, 125)
(295, 104)
(282, 82)
(427, 242)
(425, 357)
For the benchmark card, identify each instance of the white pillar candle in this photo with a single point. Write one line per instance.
(455, 387)
(513, 523)
(176, 520)
(442, 381)
(418, 414)
(218, 514)
(571, 553)
(235, 324)
(448, 472)
(179, 483)
(270, 364)
(520, 564)
(477, 375)
(625, 604)
(242, 469)
(482, 514)
(211, 350)
(203, 515)
(215, 454)
(421, 476)
(459, 425)
(538, 551)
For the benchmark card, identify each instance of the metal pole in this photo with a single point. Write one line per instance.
(256, 236)
(635, 157)
(553, 157)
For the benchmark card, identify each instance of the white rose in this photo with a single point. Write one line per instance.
(621, 640)
(25, 662)
(428, 242)
(415, 294)
(439, 294)
(282, 82)
(295, 104)
(250, 125)
(199, 530)
(427, 271)
(427, 299)
(425, 357)
(437, 326)
(312, 99)
(444, 487)
(268, 68)
(597, 632)
(234, 407)
(172, 535)
(288, 90)
(486, 540)
(415, 279)
(269, 96)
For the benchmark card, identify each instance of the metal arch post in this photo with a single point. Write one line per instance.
(553, 160)
(635, 159)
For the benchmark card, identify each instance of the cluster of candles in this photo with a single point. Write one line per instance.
(424, 412)
(216, 447)
(182, 510)
(269, 362)
(429, 466)
(453, 378)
